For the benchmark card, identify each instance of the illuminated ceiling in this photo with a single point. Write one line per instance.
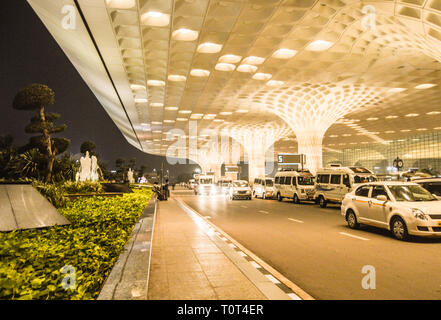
(236, 63)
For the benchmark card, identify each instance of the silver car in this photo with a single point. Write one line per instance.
(404, 208)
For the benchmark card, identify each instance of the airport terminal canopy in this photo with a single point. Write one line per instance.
(334, 73)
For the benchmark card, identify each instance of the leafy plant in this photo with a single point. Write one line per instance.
(31, 260)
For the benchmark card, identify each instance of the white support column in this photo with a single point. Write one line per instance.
(310, 144)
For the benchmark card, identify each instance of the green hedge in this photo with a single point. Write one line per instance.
(31, 260)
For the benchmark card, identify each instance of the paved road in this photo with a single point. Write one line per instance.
(315, 249)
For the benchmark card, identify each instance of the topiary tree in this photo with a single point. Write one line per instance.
(88, 146)
(36, 97)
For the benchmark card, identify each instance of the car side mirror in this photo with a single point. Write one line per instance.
(382, 198)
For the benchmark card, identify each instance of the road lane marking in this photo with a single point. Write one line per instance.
(295, 220)
(272, 279)
(255, 265)
(283, 283)
(294, 296)
(351, 235)
(263, 211)
(242, 253)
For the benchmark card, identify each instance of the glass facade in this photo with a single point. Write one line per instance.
(421, 152)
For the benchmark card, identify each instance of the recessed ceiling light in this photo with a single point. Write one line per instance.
(422, 129)
(284, 53)
(218, 120)
(181, 119)
(171, 108)
(347, 135)
(333, 136)
(176, 77)
(395, 90)
(437, 128)
(247, 68)
(274, 83)
(425, 86)
(391, 117)
(405, 130)
(390, 131)
(225, 67)
(412, 115)
(209, 47)
(262, 76)
(319, 45)
(155, 83)
(185, 111)
(140, 100)
(253, 60)
(157, 131)
(156, 122)
(225, 113)
(137, 87)
(155, 19)
(432, 113)
(121, 4)
(242, 111)
(156, 104)
(230, 58)
(200, 73)
(371, 119)
(185, 34)
(169, 121)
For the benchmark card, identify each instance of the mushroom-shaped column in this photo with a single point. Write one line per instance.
(256, 140)
(310, 109)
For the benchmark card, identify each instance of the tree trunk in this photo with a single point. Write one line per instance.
(48, 143)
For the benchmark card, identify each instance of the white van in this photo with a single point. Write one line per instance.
(263, 187)
(295, 185)
(332, 184)
(205, 185)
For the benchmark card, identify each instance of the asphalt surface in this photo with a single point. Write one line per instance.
(314, 248)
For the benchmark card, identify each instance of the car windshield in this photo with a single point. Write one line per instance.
(411, 193)
(306, 181)
(205, 181)
(269, 182)
(240, 184)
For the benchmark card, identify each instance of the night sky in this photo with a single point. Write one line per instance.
(29, 55)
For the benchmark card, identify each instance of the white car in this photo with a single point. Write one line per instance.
(404, 208)
(240, 189)
(264, 188)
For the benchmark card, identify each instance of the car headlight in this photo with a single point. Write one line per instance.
(419, 214)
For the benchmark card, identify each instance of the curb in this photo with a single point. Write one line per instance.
(291, 290)
(129, 277)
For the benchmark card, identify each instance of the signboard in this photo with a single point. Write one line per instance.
(231, 169)
(291, 158)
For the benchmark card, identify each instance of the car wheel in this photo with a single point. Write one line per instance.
(255, 195)
(351, 218)
(279, 197)
(399, 229)
(296, 199)
(322, 202)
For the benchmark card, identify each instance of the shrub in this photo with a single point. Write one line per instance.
(53, 192)
(85, 187)
(31, 260)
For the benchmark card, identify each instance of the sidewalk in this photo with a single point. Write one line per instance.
(187, 264)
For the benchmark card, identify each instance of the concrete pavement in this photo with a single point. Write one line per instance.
(190, 260)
